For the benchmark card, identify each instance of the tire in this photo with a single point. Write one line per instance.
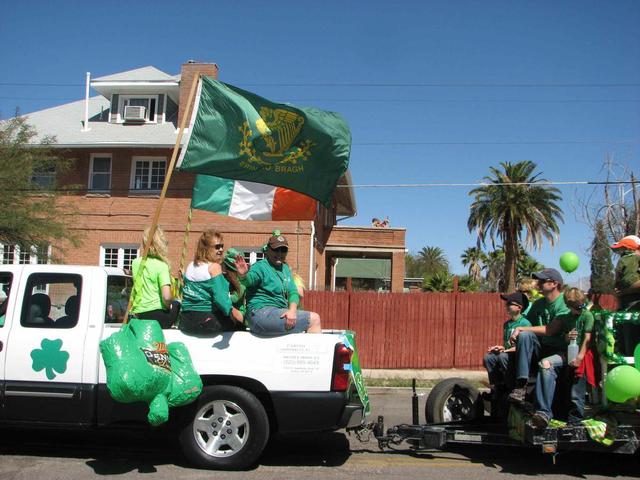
(241, 440)
(452, 400)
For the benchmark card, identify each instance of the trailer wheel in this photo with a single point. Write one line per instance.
(228, 429)
(452, 400)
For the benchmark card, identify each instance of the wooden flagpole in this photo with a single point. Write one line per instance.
(165, 186)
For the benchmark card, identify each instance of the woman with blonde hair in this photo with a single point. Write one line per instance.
(206, 305)
(152, 298)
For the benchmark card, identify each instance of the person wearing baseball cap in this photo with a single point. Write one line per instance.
(499, 359)
(272, 295)
(536, 344)
(627, 288)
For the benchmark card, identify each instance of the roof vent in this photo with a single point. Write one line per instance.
(134, 113)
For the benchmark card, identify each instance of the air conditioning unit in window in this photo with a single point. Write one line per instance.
(134, 113)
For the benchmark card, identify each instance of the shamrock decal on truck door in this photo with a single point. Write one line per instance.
(50, 358)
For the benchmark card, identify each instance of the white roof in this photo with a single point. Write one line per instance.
(65, 122)
(144, 74)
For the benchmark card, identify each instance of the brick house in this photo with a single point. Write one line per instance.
(121, 155)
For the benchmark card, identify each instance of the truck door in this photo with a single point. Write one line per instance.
(6, 280)
(44, 351)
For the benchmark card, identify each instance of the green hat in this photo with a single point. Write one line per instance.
(230, 258)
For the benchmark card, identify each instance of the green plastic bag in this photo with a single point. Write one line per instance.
(137, 362)
(186, 384)
(142, 368)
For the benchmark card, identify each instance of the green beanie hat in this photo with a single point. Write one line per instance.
(230, 258)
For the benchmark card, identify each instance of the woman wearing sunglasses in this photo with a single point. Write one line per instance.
(206, 305)
(272, 295)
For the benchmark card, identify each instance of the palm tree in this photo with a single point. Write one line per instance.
(515, 200)
(527, 265)
(432, 260)
(495, 269)
(440, 281)
(475, 259)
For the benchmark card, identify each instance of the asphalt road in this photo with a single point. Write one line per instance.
(72, 455)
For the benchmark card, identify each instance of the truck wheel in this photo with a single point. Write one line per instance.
(452, 400)
(229, 429)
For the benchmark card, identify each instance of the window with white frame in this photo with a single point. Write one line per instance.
(100, 172)
(44, 177)
(119, 256)
(147, 173)
(252, 256)
(149, 102)
(14, 254)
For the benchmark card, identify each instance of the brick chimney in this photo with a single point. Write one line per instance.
(189, 71)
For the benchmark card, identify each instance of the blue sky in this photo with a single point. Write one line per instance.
(434, 91)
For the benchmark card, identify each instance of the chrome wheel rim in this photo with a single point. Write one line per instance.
(221, 428)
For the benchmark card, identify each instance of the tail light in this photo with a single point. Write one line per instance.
(341, 368)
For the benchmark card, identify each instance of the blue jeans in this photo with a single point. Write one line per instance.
(268, 321)
(528, 348)
(546, 387)
(500, 368)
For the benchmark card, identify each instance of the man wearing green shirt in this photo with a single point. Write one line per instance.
(272, 295)
(528, 346)
(577, 324)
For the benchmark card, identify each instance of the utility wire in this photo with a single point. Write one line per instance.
(383, 84)
(153, 193)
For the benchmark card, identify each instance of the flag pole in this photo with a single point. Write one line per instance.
(165, 186)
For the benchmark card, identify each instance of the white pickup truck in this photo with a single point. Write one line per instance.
(52, 374)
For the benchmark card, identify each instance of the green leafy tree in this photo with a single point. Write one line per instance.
(475, 260)
(433, 260)
(515, 202)
(30, 211)
(468, 284)
(602, 277)
(412, 266)
(440, 281)
(527, 265)
(495, 270)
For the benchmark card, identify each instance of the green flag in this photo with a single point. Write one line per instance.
(238, 135)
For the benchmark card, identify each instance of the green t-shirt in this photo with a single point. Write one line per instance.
(543, 313)
(509, 326)
(268, 286)
(148, 285)
(2, 320)
(582, 322)
(627, 273)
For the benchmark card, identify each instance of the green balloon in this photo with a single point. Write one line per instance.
(636, 356)
(622, 384)
(569, 261)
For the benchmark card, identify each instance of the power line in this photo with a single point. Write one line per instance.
(523, 142)
(152, 194)
(487, 184)
(384, 84)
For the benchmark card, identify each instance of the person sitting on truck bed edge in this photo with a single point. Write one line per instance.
(152, 287)
(206, 304)
(578, 324)
(272, 295)
(528, 347)
(499, 359)
(627, 288)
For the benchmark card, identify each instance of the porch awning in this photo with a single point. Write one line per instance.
(363, 268)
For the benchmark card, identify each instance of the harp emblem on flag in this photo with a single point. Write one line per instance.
(278, 129)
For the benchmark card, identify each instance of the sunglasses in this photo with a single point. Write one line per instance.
(219, 246)
(279, 249)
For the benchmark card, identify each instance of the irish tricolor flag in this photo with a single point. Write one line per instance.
(250, 201)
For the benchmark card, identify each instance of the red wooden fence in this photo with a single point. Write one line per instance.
(423, 330)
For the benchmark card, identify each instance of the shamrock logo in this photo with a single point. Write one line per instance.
(50, 358)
